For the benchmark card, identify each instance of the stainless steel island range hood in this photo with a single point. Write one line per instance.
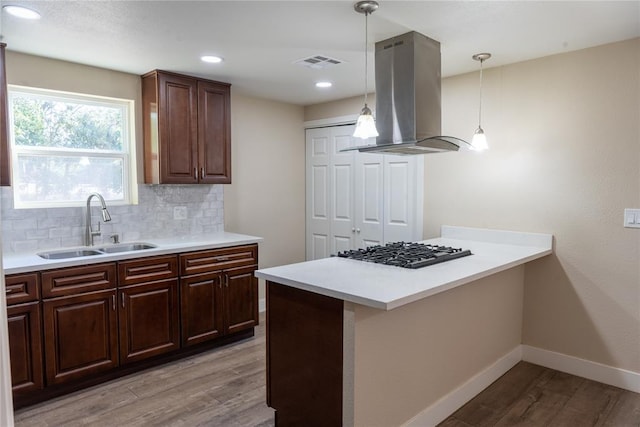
(408, 115)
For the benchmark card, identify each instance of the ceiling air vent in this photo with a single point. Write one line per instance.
(318, 62)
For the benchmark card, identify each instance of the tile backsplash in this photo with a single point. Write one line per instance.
(153, 217)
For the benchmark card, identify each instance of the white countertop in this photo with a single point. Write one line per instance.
(388, 287)
(25, 262)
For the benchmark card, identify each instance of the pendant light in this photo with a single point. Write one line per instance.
(479, 141)
(365, 126)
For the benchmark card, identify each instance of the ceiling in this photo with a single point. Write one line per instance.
(261, 40)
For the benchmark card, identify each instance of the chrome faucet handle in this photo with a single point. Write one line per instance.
(93, 234)
(115, 239)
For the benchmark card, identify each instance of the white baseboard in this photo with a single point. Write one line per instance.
(262, 305)
(617, 377)
(450, 403)
(453, 401)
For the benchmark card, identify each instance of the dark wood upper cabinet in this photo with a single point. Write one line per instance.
(187, 129)
(5, 168)
(214, 130)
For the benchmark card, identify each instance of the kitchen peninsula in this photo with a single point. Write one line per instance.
(356, 343)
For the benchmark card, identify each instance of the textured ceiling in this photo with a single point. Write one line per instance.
(261, 40)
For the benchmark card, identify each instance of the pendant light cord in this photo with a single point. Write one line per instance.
(366, 55)
(480, 108)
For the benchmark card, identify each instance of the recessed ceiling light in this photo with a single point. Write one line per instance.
(211, 59)
(324, 84)
(21, 12)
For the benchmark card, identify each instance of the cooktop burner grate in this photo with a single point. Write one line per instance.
(406, 255)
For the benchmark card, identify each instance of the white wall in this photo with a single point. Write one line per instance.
(267, 195)
(564, 159)
(425, 350)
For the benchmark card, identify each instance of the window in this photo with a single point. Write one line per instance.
(65, 146)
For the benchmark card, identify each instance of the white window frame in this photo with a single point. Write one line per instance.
(128, 155)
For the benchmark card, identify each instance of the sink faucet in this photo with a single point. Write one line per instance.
(89, 234)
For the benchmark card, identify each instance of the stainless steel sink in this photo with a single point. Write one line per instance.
(126, 247)
(82, 252)
(76, 253)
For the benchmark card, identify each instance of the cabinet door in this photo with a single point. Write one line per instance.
(214, 132)
(241, 299)
(149, 320)
(177, 129)
(201, 304)
(80, 335)
(24, 347)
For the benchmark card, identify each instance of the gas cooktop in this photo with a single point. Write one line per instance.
(406, 255)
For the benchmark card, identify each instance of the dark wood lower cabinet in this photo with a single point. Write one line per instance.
(218, 303)
(304, 357)
(80, 335)
(149, 320)
(25, 348)
(70, 328)
(201, 303)
(241, 299)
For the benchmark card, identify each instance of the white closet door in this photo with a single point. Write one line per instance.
(318, 209)
(343, 194)
(403, 198)
(356, 199)
(369, 195)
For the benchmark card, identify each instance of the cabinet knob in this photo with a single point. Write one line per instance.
(201, 173)
(8, 290)
(195, 173)
(357, 230)
(353, 230)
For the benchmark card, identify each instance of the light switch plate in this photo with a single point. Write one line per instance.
(632, 218)
(179, 212)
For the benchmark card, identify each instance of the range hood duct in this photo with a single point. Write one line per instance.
(408, 115)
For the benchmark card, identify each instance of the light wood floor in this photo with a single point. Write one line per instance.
(530, 395)
(222, 387)
(226, 387)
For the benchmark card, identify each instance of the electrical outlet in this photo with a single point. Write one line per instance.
(632, 218)
(179, 212)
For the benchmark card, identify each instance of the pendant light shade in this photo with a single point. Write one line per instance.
(479, 141)
(365, 126)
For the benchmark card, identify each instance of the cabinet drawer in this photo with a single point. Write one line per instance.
(75, 280)
(147, 269)
(218, 259)
(22, 288)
